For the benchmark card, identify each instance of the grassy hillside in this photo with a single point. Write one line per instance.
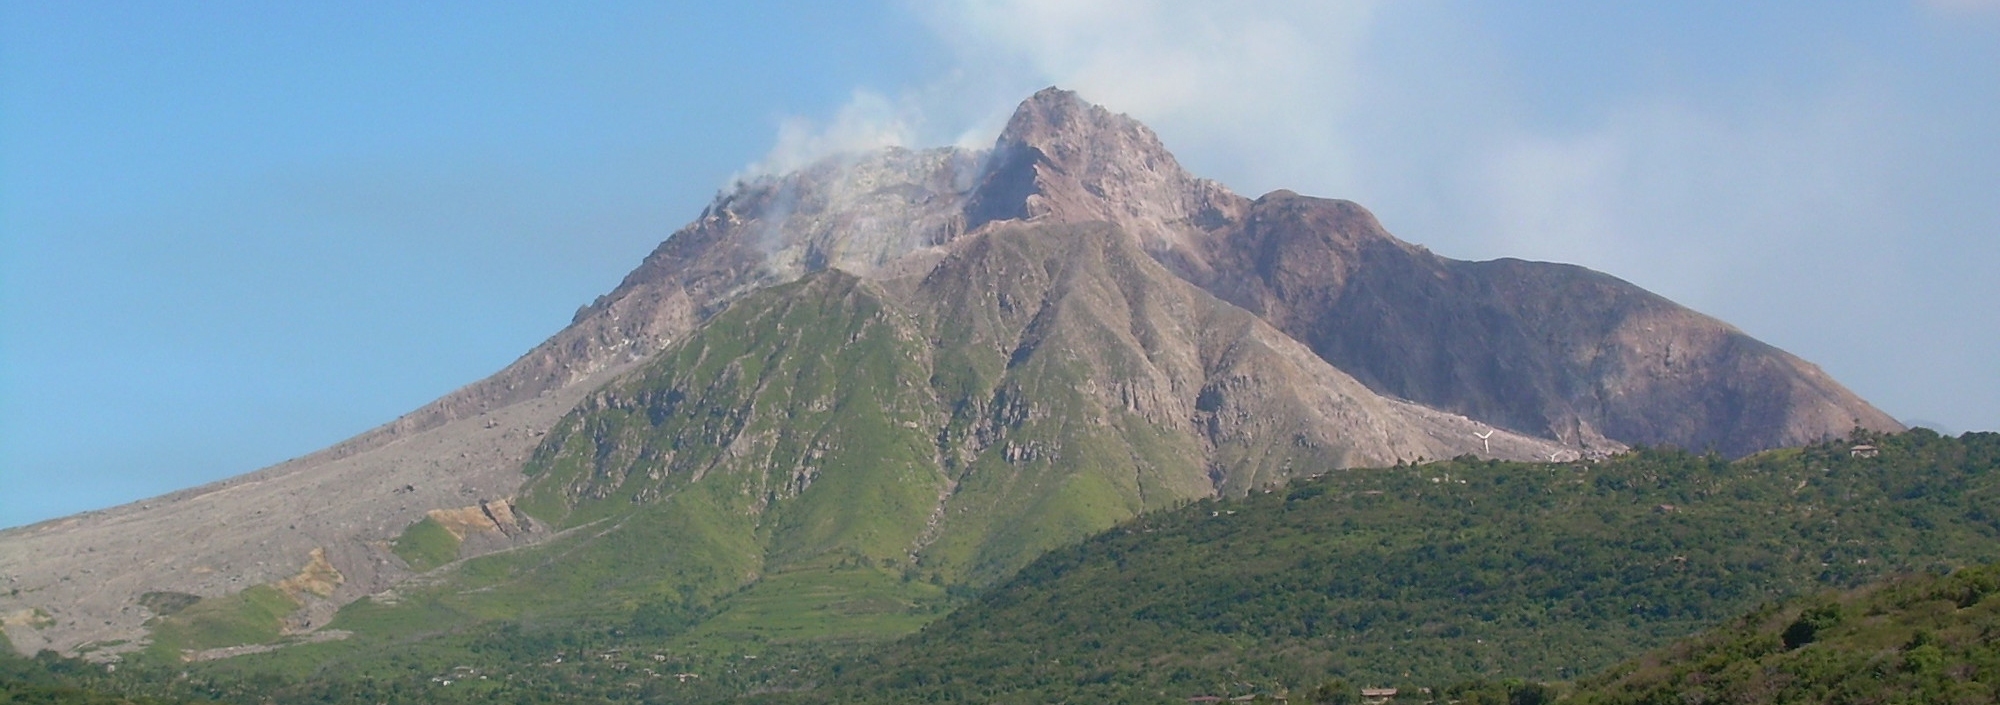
(824, 442)
(776, 502)
(48, 679)
(253, 616)
(1442, 573)
(1919, 639)
(1424, 576)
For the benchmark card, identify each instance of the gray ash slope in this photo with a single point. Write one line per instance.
(1575, 358)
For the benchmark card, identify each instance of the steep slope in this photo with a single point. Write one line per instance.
(1067, 348)
(1547, 349)
(1551, 350)
(88, 573)
(1040, 383)
(849, 439)
(1460, 570)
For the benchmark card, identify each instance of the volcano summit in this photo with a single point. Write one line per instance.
(914, 369)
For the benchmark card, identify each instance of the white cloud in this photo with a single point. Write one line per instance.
(1212, 78)
(1791, 202)
(1257, 91)
(867, 121)
(1406, 108)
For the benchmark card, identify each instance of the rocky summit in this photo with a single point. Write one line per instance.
(921, 369)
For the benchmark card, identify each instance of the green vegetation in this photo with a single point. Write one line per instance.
(780, 476)
(756, 490)
(820, 605)
(426, 544)
(802, 401)
(678, 561)
(253, 616)
(814, 468)
(1448, 572)
(1470, 578)
(49, 679)
(1919, 639)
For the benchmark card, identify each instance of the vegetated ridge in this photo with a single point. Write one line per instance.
(1915, 639)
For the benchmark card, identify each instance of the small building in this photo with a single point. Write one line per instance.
(1378, 695)
(1864, 451)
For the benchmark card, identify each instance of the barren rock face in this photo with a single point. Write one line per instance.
(1156, 346)
(1551, 350)
(1066, 160)
(1281, 323)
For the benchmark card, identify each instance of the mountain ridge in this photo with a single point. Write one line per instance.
(1360, 320)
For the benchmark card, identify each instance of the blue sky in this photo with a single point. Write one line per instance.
(231, 234)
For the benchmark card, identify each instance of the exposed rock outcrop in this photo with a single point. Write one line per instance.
(1552, 350)
(1546, 349)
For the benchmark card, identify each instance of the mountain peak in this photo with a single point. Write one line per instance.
(1064, 158)
(1075, 134)
(1057, 118)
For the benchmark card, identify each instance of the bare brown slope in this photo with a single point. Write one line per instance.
(1142, 342)
(1553, 350)
(1547, 349)
(1086, 383)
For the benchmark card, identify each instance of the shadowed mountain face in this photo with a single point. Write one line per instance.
(1068, 329)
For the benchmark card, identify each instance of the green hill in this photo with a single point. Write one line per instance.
(1410, 576)
(1437, 574)
(1919, 639)
(49, 679)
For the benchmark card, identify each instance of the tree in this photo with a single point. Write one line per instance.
(1336, 692)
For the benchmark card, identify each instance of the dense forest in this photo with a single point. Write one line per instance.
(1464, 580)
(1434, 574)
(49, 679)
(1919, 639)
